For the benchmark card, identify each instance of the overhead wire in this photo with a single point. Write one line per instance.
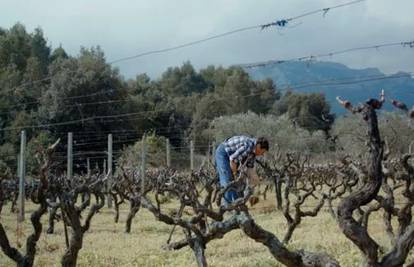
(138, 115)
(309, 58)
(277, 23)
(409, 43)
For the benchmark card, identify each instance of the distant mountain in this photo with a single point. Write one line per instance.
(334, 79)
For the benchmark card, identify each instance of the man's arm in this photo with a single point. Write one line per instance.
(243, 151)
(236, 157)
(233, 167)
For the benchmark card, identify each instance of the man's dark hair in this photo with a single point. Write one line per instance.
(263, 142)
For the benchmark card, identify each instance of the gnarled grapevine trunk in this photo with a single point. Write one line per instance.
(352, 229)
(279, 251)
(135, 204)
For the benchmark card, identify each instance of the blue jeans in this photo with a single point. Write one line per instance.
(225, 174)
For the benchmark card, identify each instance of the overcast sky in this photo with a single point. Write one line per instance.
(124, 28)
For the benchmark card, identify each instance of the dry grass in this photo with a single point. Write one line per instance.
(106, 244)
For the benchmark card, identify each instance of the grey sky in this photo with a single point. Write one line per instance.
(124, 28)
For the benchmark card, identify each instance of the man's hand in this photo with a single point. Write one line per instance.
(233, 167)
(253, 200)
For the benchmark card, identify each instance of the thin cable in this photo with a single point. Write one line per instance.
(325, 10)
(404, 75)
(184, 45)
(78, 120)
(330, 54)
(339, 82)
(278, 23)
(37, 101)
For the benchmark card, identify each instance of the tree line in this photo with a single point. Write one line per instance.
(48, 92)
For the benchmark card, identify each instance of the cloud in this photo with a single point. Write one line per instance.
(125, 28)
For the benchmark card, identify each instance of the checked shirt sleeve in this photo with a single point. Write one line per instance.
(243, 151)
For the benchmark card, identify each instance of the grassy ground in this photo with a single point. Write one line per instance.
(106, 244)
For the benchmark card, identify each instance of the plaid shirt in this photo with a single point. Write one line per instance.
(240, 148)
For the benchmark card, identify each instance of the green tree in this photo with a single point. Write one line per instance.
(208, 108)
(263, 96)
(236, 91)
(310, 111)
(58, 53)
(39, 49)
(24, 58)
(15, 47)
(83, 88)
(182, 81)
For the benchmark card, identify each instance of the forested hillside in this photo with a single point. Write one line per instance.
(48, 92)
(333, 79)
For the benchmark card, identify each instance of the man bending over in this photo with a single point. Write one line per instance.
(236, 151)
